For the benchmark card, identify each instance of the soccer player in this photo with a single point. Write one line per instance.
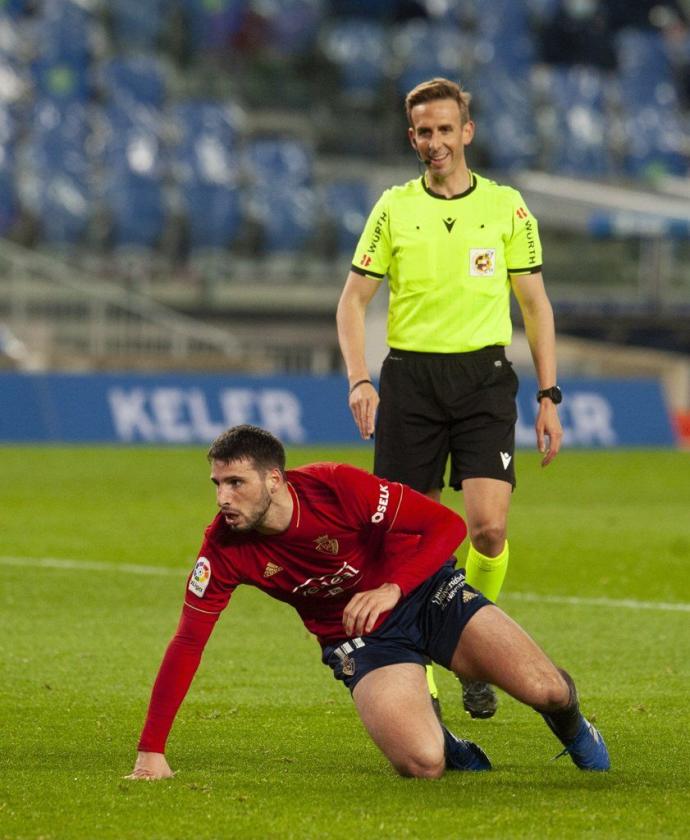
(453, 244)
(367, 565)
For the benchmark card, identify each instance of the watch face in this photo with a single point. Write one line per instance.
(554, 394)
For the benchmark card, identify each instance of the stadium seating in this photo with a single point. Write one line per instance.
(135, 165)
(206, 165)
(292, 25)
(346, 203)
(58, 171)
(360, 49)
(211, 26)
(579, 142)
(134, 78)
(424, 50)
(9, 207)
(137, 24)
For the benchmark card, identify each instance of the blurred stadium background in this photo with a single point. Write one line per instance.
(182, 182)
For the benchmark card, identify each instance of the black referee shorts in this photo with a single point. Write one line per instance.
(436, 405)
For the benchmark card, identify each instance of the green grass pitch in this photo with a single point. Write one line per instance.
(267, 744)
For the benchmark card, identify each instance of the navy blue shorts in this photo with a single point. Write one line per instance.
(424, 627)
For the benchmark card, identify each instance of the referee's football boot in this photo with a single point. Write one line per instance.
(479, 699)
(587, 749)
(463, 755)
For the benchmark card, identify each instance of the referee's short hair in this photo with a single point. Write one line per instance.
(439, 88)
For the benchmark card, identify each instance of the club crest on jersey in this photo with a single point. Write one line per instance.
(327, 544)
(200, 577)
(482, 262)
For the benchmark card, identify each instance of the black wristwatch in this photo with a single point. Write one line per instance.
(553, 393)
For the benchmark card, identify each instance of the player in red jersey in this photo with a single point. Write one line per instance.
(367, 565)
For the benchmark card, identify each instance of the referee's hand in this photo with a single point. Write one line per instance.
(549, 431)
(363, 402)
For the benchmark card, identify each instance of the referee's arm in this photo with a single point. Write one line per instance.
(357, 293)
(537, 315)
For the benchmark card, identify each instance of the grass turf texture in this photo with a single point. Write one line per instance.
(267, 744)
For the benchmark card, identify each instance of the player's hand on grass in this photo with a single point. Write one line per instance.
(150, 766)
(361, 613)
(363, 402)
(549, 431)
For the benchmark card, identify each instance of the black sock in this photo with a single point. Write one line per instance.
(565, 723)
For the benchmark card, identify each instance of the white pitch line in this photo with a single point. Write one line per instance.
(132, 568)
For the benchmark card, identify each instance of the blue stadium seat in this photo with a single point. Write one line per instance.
(137, 24)
(63, 31)
(653, 127)
(14, 8)
(59, 171)
(281, 160)
(292, 25)
(580, 142)
(134, 78)
(9, 207)
(212, 25)
(347, 203)
(504, 111)
(424, 50)
(360, 47)
(206, 166)
(286, 214)
(62, 80)
(135, 167)
(380, 9)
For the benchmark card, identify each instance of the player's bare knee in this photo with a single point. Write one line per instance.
(429, 764)
(552, 692)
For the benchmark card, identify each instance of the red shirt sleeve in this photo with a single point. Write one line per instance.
(438, 531)
(175, 675)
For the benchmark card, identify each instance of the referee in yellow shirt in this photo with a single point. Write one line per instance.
(452, 244)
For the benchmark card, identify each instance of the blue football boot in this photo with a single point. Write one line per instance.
(587, 750)
(463, 755)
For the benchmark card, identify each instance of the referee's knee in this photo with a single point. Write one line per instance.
(489, 537)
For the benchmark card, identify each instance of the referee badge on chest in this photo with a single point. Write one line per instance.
(482, 262)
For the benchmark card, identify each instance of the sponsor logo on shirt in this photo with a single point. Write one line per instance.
(531, 244)
(326, 544)
(328, 586)
(384, 496)
(482, 262)
(200, 577)
(378, 231)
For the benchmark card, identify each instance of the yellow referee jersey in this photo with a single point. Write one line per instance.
(448, 262)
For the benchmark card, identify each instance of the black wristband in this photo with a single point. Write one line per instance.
(361, 382)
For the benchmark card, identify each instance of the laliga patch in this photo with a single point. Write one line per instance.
(482, 262)
(200, 577)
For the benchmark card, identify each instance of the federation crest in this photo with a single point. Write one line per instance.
(482, 262)
(201, 575)
(326, 544)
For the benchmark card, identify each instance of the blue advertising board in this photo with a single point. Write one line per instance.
(189, 409)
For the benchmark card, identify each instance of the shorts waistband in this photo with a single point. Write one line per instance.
(493, 351)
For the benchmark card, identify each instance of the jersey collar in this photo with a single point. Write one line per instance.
(429, 191)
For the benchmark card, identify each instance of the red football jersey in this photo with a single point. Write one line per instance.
(350, 532)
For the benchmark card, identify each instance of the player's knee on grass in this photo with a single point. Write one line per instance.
(428, 763)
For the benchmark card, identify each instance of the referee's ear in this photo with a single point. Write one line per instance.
(468, 132)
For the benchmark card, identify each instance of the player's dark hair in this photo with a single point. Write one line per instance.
(439, 88)
(248, 443)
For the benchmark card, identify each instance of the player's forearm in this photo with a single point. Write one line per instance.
(175, 675)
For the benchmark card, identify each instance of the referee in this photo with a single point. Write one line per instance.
(452, 244)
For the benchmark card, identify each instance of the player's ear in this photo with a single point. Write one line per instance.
(275, 479)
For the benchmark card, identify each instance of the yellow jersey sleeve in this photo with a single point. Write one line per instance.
(373, 252)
